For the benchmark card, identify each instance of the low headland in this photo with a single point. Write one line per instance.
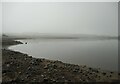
(18, 68)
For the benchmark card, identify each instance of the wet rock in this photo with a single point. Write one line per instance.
(8, 65)
(42, 75)
(11, 62)
(19, 72)
(46, 67)
(76, 70)
(63, 77)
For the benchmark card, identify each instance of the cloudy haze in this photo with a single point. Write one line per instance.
(61, 17)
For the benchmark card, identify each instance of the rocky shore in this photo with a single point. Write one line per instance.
(21, 68)
(9, 42)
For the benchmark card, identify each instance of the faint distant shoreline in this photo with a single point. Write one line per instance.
(60, 36)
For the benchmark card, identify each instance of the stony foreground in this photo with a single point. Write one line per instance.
(18, 67)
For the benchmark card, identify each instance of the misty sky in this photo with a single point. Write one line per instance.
(61, 17)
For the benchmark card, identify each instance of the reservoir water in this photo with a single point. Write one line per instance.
(93, 53)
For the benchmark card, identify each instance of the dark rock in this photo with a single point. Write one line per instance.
(30, 56)
(90, 68)
(45, 80)
(54, 66)
(5, 71)
(111, 72)
(22, 79)
(104, 73)
(38, 60)
(119, 74)
(90, 73)
(99, 76)
(110, 75)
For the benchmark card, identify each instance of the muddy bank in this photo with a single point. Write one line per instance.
(18, 67)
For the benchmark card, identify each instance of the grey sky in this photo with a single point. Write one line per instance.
(61, 17)
(0, 19)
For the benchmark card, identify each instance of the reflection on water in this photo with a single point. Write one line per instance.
(95, 53)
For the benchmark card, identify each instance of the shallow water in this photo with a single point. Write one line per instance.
(94, 53)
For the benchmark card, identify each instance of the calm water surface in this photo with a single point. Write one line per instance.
(94, 53)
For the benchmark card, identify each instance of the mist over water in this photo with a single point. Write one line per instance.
(94, 53)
